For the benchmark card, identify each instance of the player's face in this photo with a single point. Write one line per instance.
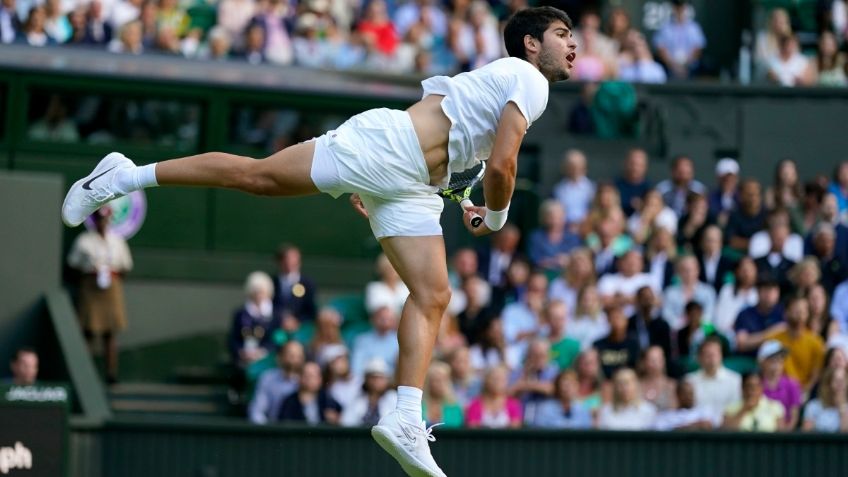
(556, 58)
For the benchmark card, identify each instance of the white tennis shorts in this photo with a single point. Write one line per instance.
(376, 154)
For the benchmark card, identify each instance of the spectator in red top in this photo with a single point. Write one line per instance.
(377, 30)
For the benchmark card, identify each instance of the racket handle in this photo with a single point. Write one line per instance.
(476, 220)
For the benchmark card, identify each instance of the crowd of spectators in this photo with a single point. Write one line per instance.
(420, 36)
(635, 305)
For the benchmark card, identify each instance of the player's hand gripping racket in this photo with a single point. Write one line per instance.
(460, 187)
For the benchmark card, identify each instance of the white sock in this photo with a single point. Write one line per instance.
(136, 178)
(145, 176)
(409, 403)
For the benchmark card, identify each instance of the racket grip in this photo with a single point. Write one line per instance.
(476, 220)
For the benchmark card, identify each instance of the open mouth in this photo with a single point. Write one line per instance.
(570, 58)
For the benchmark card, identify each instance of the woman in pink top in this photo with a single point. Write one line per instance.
(494, 409)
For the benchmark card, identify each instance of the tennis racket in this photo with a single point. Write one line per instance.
(460, 187)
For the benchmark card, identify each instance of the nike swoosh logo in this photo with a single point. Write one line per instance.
(87, 185)
(408, 434)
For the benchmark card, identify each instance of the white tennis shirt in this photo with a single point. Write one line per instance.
(474, 102)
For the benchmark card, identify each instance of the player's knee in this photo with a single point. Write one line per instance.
(436, 301)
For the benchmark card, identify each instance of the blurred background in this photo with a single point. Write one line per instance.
(675, 259)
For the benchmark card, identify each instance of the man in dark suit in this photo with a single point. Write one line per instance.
(98, 31)
(10, 24)
(715, 267)
(294, 293)
(647, 327)
(775, 264)
(834, 270)
(494, 260)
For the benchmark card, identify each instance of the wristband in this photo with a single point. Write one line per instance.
(495, 219)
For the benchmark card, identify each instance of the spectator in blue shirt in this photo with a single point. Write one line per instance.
(562, 411)
(680, 42)
(839, 187)
(575, 191)
(380, 342)
(10, 24)
(276, 384)
(633, 183)
(756, 323)
(551, 243)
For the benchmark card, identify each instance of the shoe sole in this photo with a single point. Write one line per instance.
(412, 466)
(108, 161)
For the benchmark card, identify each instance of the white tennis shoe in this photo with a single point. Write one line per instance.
(408, 444)
(92, 191)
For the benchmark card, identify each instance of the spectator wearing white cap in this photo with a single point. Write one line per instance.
(374, 400)
(776, 384)
(389, 290)
(339, 380)
(723, 199)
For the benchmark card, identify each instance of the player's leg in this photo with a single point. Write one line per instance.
(420, 262)
(285, 173)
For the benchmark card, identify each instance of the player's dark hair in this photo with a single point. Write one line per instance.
(533, 22)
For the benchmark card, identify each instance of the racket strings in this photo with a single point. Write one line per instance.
(463, 179)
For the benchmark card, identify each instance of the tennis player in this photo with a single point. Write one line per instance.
(393, 162)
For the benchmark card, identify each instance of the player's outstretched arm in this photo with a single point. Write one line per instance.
(499, 181)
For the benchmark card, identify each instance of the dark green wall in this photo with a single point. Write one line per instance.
(130, 448)
(30, 260)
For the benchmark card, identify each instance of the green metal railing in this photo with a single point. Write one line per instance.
(135, 447)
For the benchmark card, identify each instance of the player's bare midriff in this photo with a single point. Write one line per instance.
(432, 127)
